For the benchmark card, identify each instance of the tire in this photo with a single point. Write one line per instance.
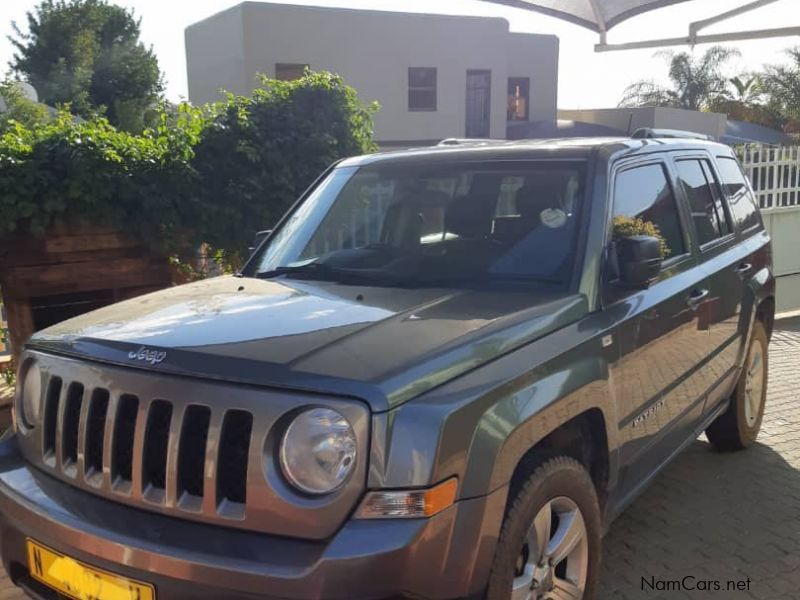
(738, 427)
(556, 486)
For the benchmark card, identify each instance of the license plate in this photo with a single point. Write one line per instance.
(82, 582)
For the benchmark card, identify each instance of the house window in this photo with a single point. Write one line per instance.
(518, 95)
(289, 71)
(421, 89)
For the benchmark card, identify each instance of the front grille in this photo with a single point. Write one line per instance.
(194, 449)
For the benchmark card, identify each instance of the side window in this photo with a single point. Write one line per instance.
(741, 201)
(708, 214)
(643, 196)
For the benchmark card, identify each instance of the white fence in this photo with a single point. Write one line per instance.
(775, 175)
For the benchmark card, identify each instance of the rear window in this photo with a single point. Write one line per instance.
(708, 214)
(741, 201)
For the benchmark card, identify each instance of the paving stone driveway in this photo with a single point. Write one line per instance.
(713, 517)
(721, 517)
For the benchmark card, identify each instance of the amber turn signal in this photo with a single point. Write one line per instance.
(410, 504)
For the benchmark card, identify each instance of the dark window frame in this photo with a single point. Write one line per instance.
(526, 96)
(718, 196)
(749, 194)
(412, 106)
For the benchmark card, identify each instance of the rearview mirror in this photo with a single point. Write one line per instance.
(638, 259)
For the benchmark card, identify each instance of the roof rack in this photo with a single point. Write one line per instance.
(646, 133)
(460, 141)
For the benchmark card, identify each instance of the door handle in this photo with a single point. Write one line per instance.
(744, 268)
(695, 298)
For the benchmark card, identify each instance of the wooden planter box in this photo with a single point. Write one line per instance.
(73, 269)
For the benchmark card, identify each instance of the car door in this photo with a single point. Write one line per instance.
(734, 267)
(660, 333)
(725, 262)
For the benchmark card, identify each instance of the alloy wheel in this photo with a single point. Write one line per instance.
(554, 561)
(754, 384)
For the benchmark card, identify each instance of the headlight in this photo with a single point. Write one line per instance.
(318, 451)
(32, 396)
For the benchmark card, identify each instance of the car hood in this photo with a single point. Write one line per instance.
(384, 345)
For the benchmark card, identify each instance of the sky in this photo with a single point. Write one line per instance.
(586, 79)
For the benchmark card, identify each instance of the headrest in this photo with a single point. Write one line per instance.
(536, 196)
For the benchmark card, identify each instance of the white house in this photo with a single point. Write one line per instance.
(435, 76)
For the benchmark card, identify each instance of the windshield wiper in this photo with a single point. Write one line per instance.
(313, 268)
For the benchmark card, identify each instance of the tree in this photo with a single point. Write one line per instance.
(87, 53)
(781, 84)
(696, 82)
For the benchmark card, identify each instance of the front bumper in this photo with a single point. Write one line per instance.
(447, 556)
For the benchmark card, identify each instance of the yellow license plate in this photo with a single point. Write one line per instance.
(80, 581)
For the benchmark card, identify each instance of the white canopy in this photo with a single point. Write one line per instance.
(602, 15)
(597, 15)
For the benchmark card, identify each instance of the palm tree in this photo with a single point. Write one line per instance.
(745, 102)
(748, 88)
(696, 82)
(781, 85)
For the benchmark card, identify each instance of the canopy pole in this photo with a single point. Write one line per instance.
(694, 28)
(702, 39)
(601, 21)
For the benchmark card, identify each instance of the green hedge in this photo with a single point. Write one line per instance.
(212, 174)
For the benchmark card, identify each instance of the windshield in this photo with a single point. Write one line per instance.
(434, 224)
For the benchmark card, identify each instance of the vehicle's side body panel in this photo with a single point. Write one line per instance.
(657, 380)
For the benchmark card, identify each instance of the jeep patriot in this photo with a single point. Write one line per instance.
(442, 375)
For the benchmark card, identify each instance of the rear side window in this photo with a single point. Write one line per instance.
(708, 213)
(645, 193)
(741, 201)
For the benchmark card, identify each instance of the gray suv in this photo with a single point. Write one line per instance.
(442, 375)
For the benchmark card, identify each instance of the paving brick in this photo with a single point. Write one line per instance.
(732, 516)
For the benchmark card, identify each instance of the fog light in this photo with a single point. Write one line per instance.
(411, 504)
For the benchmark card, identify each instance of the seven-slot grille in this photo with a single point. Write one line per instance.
(195, 449)
(123, 442)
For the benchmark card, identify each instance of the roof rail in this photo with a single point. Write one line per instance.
(646, 133)
(459, 141)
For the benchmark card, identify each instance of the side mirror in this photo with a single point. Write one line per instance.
(260, 236)
(638, 259)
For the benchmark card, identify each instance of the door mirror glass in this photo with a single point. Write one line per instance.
(638, 259)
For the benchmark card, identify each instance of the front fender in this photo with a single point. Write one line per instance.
(479, 426)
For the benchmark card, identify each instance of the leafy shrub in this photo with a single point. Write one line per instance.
(14, 106)
(91, 170)
(259, 153)
(214, 174)
(630, 226)
(9, 374)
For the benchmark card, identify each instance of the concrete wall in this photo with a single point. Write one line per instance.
(631, 119)
(373, 50)
(783, 225)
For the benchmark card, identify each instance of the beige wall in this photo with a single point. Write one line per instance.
(373, 50)
(783, 225)
(631, 119)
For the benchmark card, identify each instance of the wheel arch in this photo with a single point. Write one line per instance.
(584, 438)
